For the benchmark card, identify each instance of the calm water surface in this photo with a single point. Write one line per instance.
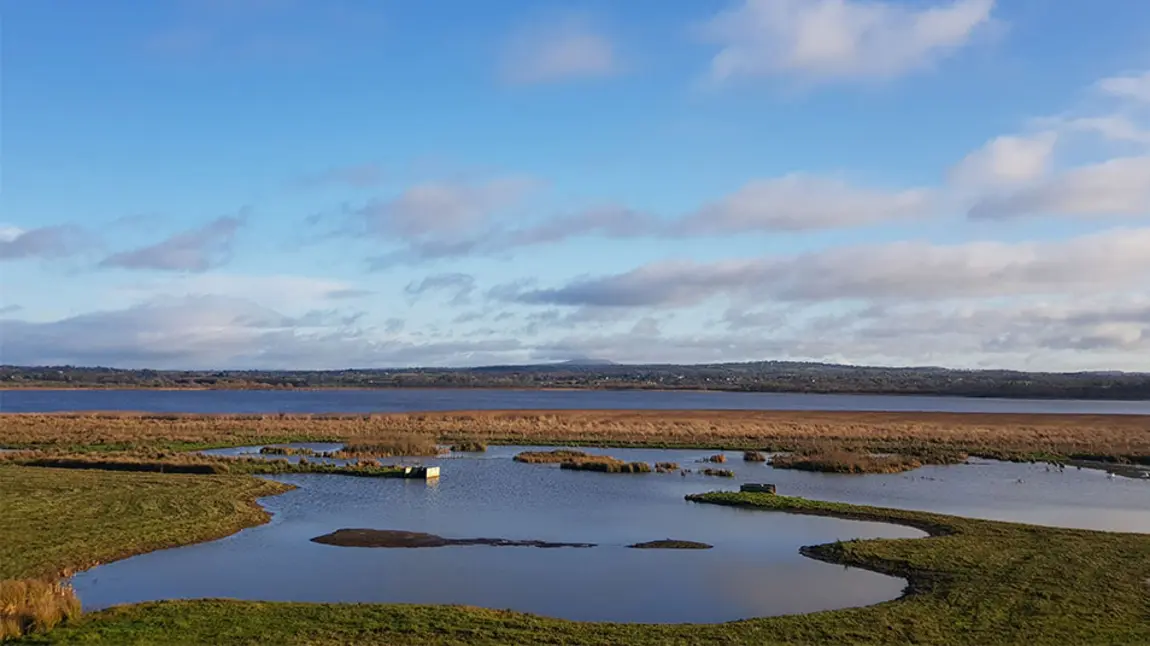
(399, 400)
(754, 570)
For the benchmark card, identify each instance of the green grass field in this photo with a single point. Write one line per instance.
(60, 520)
(973, 582)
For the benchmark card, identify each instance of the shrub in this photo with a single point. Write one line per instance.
(32, 605)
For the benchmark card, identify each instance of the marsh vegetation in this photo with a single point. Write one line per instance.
(829, 460)
(1106, 438)
(606, 465)
(196, 463)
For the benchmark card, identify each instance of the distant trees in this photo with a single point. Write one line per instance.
(766, 376)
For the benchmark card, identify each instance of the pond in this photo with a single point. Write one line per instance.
(754, 568)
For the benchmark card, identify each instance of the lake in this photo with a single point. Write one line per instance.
(754, 569)
(402, 400)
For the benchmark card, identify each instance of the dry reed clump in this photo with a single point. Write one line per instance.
(718, 458)
(753, 456)
(408, 444)
(286, 450)
(831, 461)
(606, 465)
(32, 605)
(722, 473)
(666, 467)
(551, 457)
(1004, 436)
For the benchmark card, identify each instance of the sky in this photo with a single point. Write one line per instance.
(325, 184)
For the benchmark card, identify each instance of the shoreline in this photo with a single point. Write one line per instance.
(616, 389)
(949, 583)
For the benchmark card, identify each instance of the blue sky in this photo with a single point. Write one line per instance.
(304, 183)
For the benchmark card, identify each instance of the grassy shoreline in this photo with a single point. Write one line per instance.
(57, 521)
(971, 582)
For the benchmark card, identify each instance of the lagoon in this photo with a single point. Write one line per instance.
(754, 569)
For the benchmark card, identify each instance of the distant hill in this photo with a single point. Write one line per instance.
(756, 376)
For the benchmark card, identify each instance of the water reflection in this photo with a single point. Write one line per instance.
(754, 570)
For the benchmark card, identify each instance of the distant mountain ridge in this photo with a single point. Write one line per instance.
(592, 373)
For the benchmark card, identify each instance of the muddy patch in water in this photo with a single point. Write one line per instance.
(398, 538)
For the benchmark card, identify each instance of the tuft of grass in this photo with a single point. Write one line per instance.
(552, 457)
(833, 461)
(666, 467)
(721, 473)
(753, 456)
(606, 465)
(717, 458)
(32, 605)
(287, 450)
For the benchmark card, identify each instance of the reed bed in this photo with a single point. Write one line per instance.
(1116, 438)
(846, 462)
(399, 445)
(606, 465)
(666, 467)
(753, 456)
(35, 606)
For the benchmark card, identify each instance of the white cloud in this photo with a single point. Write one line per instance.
(43, 242)
(280, 291)
(568, 47)
(1134, 86)
(437, 208)
(1112, 127)
(1006, 161)
(799, 202)
(826, 40)
(194, 250)
(900, 271)
(1118, 186)
(210, 332)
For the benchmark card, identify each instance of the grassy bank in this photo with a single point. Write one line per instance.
(55, 521)
(1004, 436)
(972, 582)
(195, 463)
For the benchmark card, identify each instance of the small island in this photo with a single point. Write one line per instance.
(397, 538)
(671, 544)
